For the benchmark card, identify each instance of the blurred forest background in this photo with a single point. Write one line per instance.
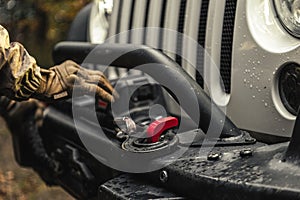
(39, 25)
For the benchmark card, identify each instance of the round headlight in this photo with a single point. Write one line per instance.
(288, 12)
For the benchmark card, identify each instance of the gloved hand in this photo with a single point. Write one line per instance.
(59, 82)
(21, 78)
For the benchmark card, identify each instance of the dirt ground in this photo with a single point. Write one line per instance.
(21, 183)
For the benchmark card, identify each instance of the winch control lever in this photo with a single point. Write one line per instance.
(158, 127)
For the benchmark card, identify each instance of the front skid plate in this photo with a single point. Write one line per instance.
(127, 187)
(235, 175)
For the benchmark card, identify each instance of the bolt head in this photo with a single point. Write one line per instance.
(246, 152)
(213, 156)
(163, 176)
(250, 140)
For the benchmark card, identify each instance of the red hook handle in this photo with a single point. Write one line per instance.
(159, 126)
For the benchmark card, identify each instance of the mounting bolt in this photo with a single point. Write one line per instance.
(213, 156)
(250, 140)
(246, 152)
(163, 176)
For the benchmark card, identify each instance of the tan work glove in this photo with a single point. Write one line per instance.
(59, 82)
(21, 78)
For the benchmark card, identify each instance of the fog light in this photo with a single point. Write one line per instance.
(289, 87)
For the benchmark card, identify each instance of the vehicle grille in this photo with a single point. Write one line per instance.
(227, 33)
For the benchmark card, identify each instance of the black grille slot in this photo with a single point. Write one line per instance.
(201, 41)
(180, 28)
(146, 21)
(131, 20)
(226, 45)
(119, 20)
(162, 23)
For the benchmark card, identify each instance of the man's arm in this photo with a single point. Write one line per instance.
(21, 78)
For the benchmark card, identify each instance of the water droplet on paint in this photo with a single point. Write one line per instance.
(266, 104)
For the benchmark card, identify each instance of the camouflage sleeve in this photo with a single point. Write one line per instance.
(19, 74)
